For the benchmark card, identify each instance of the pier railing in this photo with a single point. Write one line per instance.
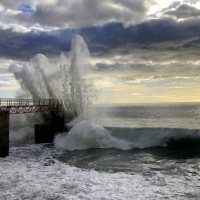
(29, 102)
(19, 106)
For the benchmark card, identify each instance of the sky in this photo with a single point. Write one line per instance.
(142, 51)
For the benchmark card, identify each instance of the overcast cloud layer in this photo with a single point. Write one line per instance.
(137, 47)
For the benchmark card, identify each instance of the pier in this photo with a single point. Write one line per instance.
(23, 106)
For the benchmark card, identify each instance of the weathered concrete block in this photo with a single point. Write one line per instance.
(4, 134)
(45, 133)
(57, 119)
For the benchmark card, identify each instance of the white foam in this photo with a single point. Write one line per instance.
(31, 172)
(86, 135)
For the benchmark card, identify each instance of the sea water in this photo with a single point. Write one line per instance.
(139, 151)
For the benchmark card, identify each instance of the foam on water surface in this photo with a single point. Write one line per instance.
(33, 172)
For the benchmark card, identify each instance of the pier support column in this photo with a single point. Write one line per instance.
(4, 134)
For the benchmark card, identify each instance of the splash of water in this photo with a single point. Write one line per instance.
(41, 79)
(87, 135)
(77, 93)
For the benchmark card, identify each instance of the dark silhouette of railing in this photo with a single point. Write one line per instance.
(20, 106)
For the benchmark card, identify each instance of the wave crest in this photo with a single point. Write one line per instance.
(87, 135)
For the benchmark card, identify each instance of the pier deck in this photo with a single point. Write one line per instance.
(20, 106)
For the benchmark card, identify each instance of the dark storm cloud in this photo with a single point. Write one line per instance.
(23, 46)
(156, 39)
(153, 31)
(184, 11)
(165, 37)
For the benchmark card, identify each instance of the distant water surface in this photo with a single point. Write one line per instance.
(171, 115)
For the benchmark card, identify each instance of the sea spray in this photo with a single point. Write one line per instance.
(77, 94)
(86, 135)
(22, 128)
(40, 79)
(23, 135)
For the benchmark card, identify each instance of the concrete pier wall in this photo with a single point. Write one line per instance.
(45, 133)
(55, 119)
(4, 134)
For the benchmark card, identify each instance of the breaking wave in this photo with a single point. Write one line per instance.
(87, 135)
(176, 138)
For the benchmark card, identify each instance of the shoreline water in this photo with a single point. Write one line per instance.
(150, 169)
(34, 172)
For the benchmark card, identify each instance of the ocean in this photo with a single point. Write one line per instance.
(127, 151)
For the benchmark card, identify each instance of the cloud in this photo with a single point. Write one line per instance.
(154, 40)
(78, 13)
(9, 85)
(19, 43)
(133, 73)
(16, 4)
(184, 11)
(84, 13)
(134, 55)
(163, 6)
(102, 66)
(151, 50)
